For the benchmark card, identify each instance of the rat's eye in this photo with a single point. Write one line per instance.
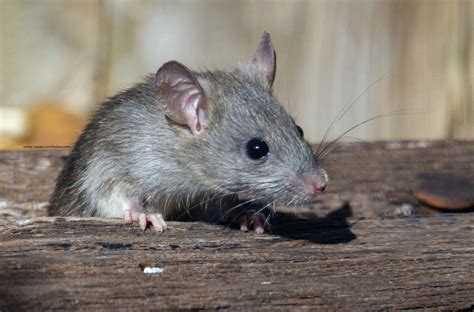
(300, 131)
(257, 149)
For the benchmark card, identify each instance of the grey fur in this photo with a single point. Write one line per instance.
(130, 150)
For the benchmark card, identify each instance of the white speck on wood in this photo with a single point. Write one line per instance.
(153, 270)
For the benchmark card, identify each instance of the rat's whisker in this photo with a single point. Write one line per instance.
(346, 108)
(392, 113)
(339, 145)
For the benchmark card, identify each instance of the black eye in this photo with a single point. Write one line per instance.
(257, 149)
(300, 131)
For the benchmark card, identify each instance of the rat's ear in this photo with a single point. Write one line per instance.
(181, 96)
(265, 58)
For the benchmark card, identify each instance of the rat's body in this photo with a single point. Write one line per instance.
(182, 138)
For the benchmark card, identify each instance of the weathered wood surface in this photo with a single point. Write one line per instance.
(367, 245)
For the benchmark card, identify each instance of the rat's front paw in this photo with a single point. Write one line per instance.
(143, 218)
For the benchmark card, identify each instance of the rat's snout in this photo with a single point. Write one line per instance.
(315, 181)
(318, 187)
(305, 185)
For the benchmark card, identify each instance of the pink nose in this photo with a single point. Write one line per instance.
(318, 187)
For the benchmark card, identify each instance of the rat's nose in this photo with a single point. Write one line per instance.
(315, 181)
(318, 187)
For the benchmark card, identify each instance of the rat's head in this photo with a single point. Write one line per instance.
(240, 139)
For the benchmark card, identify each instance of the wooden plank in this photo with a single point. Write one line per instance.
(357, 248)
(91, 264)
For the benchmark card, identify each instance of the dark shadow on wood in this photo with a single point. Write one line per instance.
(332, 229)
(464, 210)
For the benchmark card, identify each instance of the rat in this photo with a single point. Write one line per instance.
(182, 141)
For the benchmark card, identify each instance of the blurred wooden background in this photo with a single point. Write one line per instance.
(59, 59)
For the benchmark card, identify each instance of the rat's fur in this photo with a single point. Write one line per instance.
(131, 152)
